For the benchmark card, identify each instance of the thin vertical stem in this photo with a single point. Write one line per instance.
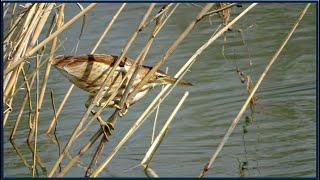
(35, 122)
(98, 95)
(48, 39)
(156, 115)
(178, 75)
(84, 149)
(108, 27)
(53, 121)
(153, 148)
(247, 102)
(171, 49)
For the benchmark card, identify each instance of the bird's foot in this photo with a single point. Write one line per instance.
(106, 128)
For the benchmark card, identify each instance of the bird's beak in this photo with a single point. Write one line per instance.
(171, 80)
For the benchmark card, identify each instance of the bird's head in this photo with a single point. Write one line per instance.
(163, 78)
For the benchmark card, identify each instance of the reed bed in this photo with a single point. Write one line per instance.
(23, 47)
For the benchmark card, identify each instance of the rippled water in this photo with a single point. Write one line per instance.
(281, 140)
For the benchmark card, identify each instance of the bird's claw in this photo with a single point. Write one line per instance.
(106, 128)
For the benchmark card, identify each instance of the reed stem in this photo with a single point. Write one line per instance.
(171, 49)
(48, 39)
(95, 99)
(153, 148)
(247, 102)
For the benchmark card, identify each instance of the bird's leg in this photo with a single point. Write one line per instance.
(124, 110)
(121, 110)
(105, 126)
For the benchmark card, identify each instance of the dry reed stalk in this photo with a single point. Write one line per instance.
(55, 127)
(139, 29)
(163, 10)
(97, 114)
(155, 122)
(225, 13)
(100, 93)
(145, 113)
(35, 27)
(40, 24)
(48, 39)
(95, 156)
(139, 61)
(178, 75)
(28, 93)
(21, 31)
(12, 76)
(23, 44)
(221, 9)
(247, 102)
(31, 124)
(46, 12)
(111, 119)
(167, 17)
(84, 149)
(140, 121)
(51, 56)
(31, 74)
(12, 28)
(53, 121)
(156, 115)
(36, 122)
(55, 141)
(153, 148)
(171, 49)
(25, 162)
(40, 93)
(9, 104)
(143, 54)
(38, 159)
(48, 66)
(108, 27)
(5, 9)
(35, 69)
(43, 16)
(26, 96)
(150, 172)
(32, 120)
(129, 134)
(55, 118)
(13, 12)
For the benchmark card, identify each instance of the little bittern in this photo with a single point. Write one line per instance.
(88, 72)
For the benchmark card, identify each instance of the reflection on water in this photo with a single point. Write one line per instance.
(280, 139)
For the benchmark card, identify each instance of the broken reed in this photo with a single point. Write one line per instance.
(21, 43)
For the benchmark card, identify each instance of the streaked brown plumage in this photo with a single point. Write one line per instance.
(88, 72)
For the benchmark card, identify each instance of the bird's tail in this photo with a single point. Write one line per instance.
(172, 80)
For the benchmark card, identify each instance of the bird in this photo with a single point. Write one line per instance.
(88, 72)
